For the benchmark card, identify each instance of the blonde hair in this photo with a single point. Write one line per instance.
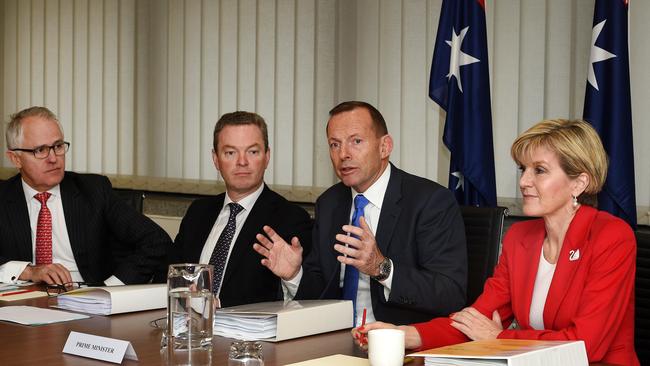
(577, 146)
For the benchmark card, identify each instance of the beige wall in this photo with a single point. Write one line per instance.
(138, 84)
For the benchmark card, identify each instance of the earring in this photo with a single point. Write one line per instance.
(575, 202)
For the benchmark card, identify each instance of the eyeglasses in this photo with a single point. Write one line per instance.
(160, 323)
(43, 151)
(54, 290)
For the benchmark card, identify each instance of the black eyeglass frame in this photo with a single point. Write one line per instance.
(58, 289)
(49, 148)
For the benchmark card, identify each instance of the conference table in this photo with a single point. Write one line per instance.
(43, 344)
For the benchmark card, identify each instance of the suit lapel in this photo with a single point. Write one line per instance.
(568, 262)
(75, 211)
(258, 217)
(340, 215)
(526, 266)
(18, 218)
(390, 210)
(204, 227)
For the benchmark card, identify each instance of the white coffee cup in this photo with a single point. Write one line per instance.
(386, 347)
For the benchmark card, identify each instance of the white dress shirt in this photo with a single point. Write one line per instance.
(61, 248)
(247, 203)
(545, 272)
(375, 195)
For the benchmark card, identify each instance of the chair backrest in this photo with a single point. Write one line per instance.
(483, 230)
(132, 197)
(642, 311)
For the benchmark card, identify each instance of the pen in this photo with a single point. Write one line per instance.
(364, 339)
(15, 292)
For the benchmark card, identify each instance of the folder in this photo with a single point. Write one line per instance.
(114, 299)
(278, 321)
(510, 352)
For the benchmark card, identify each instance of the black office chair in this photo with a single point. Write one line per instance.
(642, 311)
(132, 197)
(483, 230)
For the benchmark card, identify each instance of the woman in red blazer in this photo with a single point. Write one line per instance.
(566, 276)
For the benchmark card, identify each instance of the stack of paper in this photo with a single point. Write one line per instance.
(510, 352)
(277, 321)
(29, 315)
(115, 299)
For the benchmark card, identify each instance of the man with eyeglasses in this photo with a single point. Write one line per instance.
(61, 227)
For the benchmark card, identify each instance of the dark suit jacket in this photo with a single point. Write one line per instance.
(246, 280)
(420, 229)
(591, 297)
(107, 236)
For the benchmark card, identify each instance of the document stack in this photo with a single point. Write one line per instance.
(508, 352)
(114, 299)
(277, 321)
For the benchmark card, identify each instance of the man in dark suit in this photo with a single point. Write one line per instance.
(216, 232)
(57, 226)
(403, 260)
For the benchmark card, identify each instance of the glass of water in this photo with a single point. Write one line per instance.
(190, 311)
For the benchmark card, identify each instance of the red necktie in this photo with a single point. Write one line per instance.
(44, 231)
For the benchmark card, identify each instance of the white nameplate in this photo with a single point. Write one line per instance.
(99, 348)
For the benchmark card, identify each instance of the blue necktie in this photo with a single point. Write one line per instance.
(351, 279)
(220, 252)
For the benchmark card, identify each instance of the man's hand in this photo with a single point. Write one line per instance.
(361, 250)
(475, 325)
(412, 338)
(281, 258)
(52, 274)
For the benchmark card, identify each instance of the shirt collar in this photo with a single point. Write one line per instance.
(376, 192)
(247, 202)
(31, 192)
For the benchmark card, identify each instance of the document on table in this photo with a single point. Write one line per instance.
(334, 360)
(30, 315)
(277, 321)
(115, 299)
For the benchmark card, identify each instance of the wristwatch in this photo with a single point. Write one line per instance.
(384, 270)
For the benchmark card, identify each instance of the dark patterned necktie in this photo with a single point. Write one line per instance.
(351, 278)
(44, 230)
(220, 252)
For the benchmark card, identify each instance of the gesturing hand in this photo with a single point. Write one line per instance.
(281, 258)
(361, 250)
(475, 325)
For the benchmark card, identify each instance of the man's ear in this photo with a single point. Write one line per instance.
(15, 159)
(386, 146)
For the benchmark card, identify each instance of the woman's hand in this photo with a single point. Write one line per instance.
(411, 336)
(475, 325)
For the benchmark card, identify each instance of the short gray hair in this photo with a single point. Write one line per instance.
(14, 134)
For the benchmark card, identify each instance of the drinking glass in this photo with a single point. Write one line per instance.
(245, 353)
(190, 312)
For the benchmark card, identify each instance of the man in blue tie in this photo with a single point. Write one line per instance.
(391, 242)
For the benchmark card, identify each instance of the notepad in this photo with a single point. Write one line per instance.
(7, 296)
(334, 360)
(30, 315)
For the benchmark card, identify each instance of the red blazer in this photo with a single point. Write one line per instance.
(591, 297)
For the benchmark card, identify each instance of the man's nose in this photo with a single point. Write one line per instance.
(51, 156)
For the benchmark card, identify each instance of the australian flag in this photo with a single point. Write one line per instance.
(460, 84)
(608, 105)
